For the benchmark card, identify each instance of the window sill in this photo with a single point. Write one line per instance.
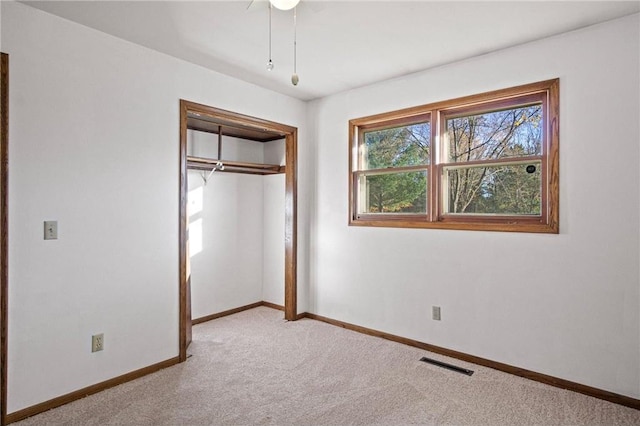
(528, 225)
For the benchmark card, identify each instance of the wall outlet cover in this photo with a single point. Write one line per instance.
(97, 342)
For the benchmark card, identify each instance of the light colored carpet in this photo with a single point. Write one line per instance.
(254, 368)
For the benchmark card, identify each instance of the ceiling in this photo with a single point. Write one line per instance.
(341, 44)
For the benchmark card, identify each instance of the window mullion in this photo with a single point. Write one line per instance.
(433, 191)
(391, 170)
(494, 162)
(439, 185)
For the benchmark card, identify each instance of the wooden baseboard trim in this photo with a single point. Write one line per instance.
(226, 313)
(281, 308)
(98, 387)
(532, 375)
(90, 390)
(273, 306)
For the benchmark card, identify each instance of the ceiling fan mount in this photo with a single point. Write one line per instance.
(284, 4)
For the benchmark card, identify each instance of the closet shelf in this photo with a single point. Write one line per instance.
(201, 163)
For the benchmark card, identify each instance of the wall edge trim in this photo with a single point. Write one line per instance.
(517, 371)
(4, 230)
(89, 390)
(273, 306)
(506, 368)
(226, 313)
(127, 377)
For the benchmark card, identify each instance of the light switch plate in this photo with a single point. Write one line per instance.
(51, 230)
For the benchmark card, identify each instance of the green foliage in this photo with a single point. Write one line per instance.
(397, 192)
(397, 147)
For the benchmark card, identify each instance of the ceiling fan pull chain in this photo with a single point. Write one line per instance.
(270, 63)
(294, 78)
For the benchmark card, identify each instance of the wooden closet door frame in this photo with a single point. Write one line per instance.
(291, 196)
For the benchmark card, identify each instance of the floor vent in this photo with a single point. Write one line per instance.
(447, 366)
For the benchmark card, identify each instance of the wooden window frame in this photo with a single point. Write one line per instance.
(544, 92)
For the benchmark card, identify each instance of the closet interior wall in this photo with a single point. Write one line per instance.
(236, 226)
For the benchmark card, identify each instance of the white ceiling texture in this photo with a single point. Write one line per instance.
(340, 44)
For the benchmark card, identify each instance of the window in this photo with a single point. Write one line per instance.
(484, 162)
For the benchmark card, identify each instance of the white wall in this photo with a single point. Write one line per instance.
(204, 144)
(94, 144)
(274, 205)
(225, 227)
(273, 238)
(565, 305)
(275, 152)
(226, 243)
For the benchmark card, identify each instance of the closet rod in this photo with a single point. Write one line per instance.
(199, 163)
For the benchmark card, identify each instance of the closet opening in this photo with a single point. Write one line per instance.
(238, 178)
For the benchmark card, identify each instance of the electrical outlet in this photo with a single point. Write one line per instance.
(435, 313)
(97, 342)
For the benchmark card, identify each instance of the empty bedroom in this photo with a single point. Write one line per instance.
(319, 212)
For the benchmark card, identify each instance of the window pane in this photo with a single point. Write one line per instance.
(393, 193)
(397, 147)
(502, 134)
(507, 190)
